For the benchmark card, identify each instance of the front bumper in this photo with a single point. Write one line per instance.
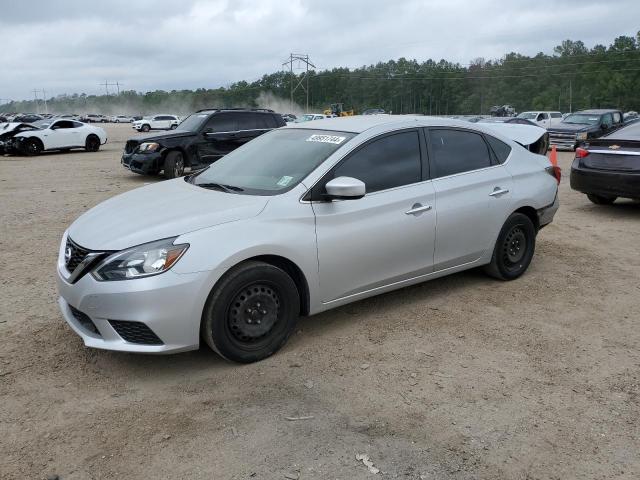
(169, 305)
(143, 163)
(605, 183)
(563, 140)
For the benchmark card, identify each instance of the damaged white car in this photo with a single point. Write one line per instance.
(53, 134)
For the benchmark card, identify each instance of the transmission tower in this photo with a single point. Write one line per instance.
(303, 82)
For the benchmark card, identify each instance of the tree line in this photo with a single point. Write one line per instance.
(573, 77)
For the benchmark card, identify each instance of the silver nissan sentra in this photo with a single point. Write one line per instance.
(300, 220)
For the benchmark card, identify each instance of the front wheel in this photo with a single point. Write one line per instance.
(601, 199)
(251, 313)
(33, 147)
(514, 248)
(173, 127)
(173, 165)
(145, 128)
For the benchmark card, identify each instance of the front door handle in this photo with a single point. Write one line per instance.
(418, 208)
(498, 191)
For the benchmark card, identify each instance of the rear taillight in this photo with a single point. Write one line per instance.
(581, 153)
(555, 171)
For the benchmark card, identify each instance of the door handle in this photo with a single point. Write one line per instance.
(418, 208)
(498, 191)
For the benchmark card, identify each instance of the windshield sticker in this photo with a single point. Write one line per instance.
(284, 181)
(335, 139)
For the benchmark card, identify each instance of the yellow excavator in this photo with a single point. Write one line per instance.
(337, 111)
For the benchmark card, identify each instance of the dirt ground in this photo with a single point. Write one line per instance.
(464, 377)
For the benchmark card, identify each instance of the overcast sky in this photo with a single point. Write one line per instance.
(68, 46)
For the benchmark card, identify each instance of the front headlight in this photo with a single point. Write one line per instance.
(149, 147)
(581, 136)
(141, 261)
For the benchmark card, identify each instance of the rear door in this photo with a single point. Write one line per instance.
(473, 195)
(388, 235)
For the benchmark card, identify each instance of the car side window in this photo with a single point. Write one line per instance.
(62, 124)
(388, 162)
(77, 124)
(616, 117)
(556, 115)
(251, 121)
(457, 151)
(222, 122)
(500, 149)
(607, 120)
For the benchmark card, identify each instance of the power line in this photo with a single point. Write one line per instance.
(300, 58)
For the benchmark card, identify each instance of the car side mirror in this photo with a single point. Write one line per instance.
(345, 188)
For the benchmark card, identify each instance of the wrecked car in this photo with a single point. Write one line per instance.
(10, 130)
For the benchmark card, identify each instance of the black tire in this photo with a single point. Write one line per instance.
(251, 312)
(32, 147)
(601, 199)
(173, 165)
(145, 128)
(92, 143)
(514, 248)
(173, 127)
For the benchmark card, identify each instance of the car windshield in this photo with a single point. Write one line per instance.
(305, 118)
(272, 163)
(42, 123)
(193, 122)
(582, 119)
(528, 115)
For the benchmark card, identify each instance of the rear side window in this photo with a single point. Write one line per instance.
(500, 149)
(616, 117)
(457, 151)
(391, 161)
(556, 115)
(222, 122)
(252, 121)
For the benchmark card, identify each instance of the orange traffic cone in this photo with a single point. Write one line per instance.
(554, 156)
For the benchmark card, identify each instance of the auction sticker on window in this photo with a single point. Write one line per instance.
(284, 181)
(335, 139)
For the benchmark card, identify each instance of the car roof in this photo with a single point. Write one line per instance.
(360, 123)
(598, 111)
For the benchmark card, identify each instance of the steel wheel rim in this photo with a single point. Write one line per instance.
(253, 314)
(514, 247)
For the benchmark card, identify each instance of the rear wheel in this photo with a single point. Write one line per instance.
(92, 144)
(251, 312)
(173, 165)
(514, 248)
(601, 199)
(33, 147)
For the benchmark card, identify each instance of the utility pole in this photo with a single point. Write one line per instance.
(304, 81)
(44, 97)
(570, 98)
(35, 96)
(106, 87)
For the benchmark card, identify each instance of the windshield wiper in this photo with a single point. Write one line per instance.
(220, 186)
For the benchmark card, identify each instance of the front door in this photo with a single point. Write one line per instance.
(218, 137)
(388, 235)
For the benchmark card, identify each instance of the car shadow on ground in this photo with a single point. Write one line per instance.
(309, 329)
(620, 209)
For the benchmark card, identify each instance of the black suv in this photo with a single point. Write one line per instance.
(201, 139)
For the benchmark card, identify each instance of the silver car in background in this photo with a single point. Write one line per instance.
(298, 221)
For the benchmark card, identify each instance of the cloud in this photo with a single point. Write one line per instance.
(72, 46)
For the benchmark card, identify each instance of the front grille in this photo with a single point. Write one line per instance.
(74, 255)
(135, 332)
(84, 320)
(562, 138)
(130, 146)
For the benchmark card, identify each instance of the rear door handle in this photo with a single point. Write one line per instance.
(418, 208)
(498, 191)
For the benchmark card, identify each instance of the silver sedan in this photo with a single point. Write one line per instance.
(298, 221)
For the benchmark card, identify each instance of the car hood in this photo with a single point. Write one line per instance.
(13, 127)
(162, 210)
(571, 127)
(163, 136)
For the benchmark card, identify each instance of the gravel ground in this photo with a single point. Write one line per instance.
(463, 377)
